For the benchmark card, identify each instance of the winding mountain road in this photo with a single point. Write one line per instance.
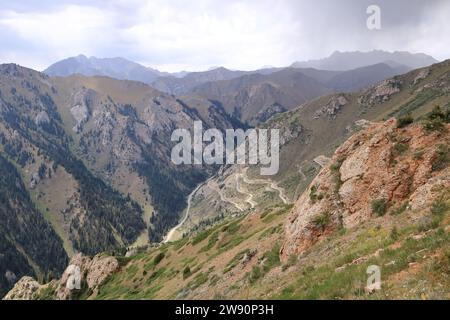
(170, 234)
(272, 184)
(249, 195)
(223, 198)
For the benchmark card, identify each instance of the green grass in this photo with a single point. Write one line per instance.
(236, 259)
(232, 228)
(255, 274)
(187, 272)
(325, 283)
(271, 258)
(198, 280)
(211, 242)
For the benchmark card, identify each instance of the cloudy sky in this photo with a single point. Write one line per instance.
(174, 35)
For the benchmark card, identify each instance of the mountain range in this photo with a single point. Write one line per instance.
(85, 159)
(374, 182)
(255, 96)
(341, 61)
(118, 68)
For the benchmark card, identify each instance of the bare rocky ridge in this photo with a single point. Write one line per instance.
(378, 169)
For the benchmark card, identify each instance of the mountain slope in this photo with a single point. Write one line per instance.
(341, 61)
(28, 244)
(180, 86)
(362, 77)
(92, 214)
(93, 154)
(124, 135)
(238, 258)
(255, 98)
(310, 134)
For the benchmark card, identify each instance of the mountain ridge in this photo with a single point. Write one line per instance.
(342, 61)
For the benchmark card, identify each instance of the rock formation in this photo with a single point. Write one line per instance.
(90, 273)
(376, 170)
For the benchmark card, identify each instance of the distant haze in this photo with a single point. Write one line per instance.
(171, 35)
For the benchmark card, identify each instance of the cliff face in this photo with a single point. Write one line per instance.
(377, 170)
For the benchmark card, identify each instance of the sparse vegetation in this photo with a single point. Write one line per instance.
(322, 220)
(187, 272)
(158, 258)
(271, 258)
(379, 207)
(435, 121)
(401, 147)
(442, 158)
(439, 207)
(394, 233)
(405, 120)
(236, 259)
(255, 274)
(400, 209)
(211, 242)
(335, 169)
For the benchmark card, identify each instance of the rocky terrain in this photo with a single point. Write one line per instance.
(92, 273)
(378, 169)
(89, 159)
(383, 200)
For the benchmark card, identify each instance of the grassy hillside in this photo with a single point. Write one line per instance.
(238, 259)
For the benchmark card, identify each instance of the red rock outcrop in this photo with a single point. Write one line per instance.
(382, 166)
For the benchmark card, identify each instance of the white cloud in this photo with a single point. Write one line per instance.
(194, 35)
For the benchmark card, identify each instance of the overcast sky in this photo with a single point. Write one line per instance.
(199, 34)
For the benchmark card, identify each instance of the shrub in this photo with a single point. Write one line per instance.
(211, 242)
(438, 207)
(428, 223)
(158, 258)
(394, 233)
(313, 193)
(186, 272)
(379, 207)
(418, 154)
(442, 158)
(255, 274)
(335, 169)
(123, 261)
(436, 113)
(401, 147)
(404, 121)
(435, 120)
(322, 220)
(272, 258)
(201, 236)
